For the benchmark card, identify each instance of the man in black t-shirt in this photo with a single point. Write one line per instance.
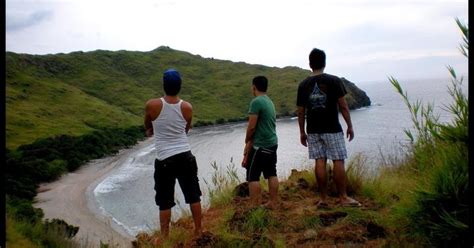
(319, 98)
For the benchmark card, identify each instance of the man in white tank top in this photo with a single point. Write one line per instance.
(168, 120)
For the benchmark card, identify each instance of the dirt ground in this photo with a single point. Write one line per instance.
(296, 222)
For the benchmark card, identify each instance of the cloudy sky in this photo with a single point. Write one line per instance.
(364, 40)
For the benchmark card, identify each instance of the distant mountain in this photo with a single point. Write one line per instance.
(75, 93)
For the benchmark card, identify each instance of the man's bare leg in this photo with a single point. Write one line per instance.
(197, 217)
(321, 178)
(340, 178)
(273, 191)
(341, 182)
(165, 218)
(254, 192)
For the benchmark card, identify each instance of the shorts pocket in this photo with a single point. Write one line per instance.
(160, 165)
(191, 160)
(266, 156)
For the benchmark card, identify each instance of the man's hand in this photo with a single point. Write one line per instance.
(303, 139)
(149, 132)
(301, 120)
(350, 133)
(248, 147)
(244, 160)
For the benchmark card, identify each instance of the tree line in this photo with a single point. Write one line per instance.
(47, 159)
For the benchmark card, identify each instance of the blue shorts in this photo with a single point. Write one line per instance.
(327, 145)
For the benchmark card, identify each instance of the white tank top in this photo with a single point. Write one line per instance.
(169, 131)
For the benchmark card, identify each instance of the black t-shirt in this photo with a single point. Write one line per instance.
(319, 95)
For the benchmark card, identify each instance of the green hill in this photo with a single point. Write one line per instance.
(75, 93)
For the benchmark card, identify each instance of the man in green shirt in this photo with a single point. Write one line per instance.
(261, 143)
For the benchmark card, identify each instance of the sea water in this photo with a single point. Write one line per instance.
(127, 195)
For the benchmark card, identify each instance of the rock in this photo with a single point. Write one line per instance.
(207, 239)
(375, 231)
(242, 190)
(302, 183)
(330, 218)
(356, 98)
(259, 240)
(310, 234)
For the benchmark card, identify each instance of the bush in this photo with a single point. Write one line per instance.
(47, 159)
(441, 206)
(61, 227)
(439, 210)
(23, 210)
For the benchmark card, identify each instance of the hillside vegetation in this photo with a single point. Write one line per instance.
(77, 93)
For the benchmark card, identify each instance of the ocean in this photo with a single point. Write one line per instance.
(127, 195)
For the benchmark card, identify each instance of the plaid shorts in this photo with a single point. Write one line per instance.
(327, 145)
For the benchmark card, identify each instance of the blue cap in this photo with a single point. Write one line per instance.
(171, 76)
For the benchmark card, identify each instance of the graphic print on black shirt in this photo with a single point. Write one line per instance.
(317, 99)
(319, 96)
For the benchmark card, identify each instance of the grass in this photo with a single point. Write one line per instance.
(222, 184)
(380, 222)
(311, 222)
(258, 220)
(26, 234)
(52, 108)
(15, 238)
(436, 210)
(234, 223)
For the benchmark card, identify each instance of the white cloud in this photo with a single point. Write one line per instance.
(274, 33)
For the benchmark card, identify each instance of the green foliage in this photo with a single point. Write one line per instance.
(104, 245)
(15, 239)
(61, 227)
(464, 47)
(258, 220)
(438, 208)
(441, 205)
(222, 184)
(310, 222)
(422, 116)
(23, 210)
(357, 173)
(47, 159)
(458, 129)
(52, 234)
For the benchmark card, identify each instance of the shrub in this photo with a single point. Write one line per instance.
(439, 210)
(258, 220)
(222, 184)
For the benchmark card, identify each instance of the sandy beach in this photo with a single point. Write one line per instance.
(71, 198)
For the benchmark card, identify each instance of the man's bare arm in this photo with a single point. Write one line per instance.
(252, 124)
(152, 111)
(344, 108)
(187, 110)
(148, 119)
(301, 122)
(251, 127)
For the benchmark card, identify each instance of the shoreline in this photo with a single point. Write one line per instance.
(71, 198)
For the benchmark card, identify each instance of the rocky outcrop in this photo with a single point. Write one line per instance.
(356, 98)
